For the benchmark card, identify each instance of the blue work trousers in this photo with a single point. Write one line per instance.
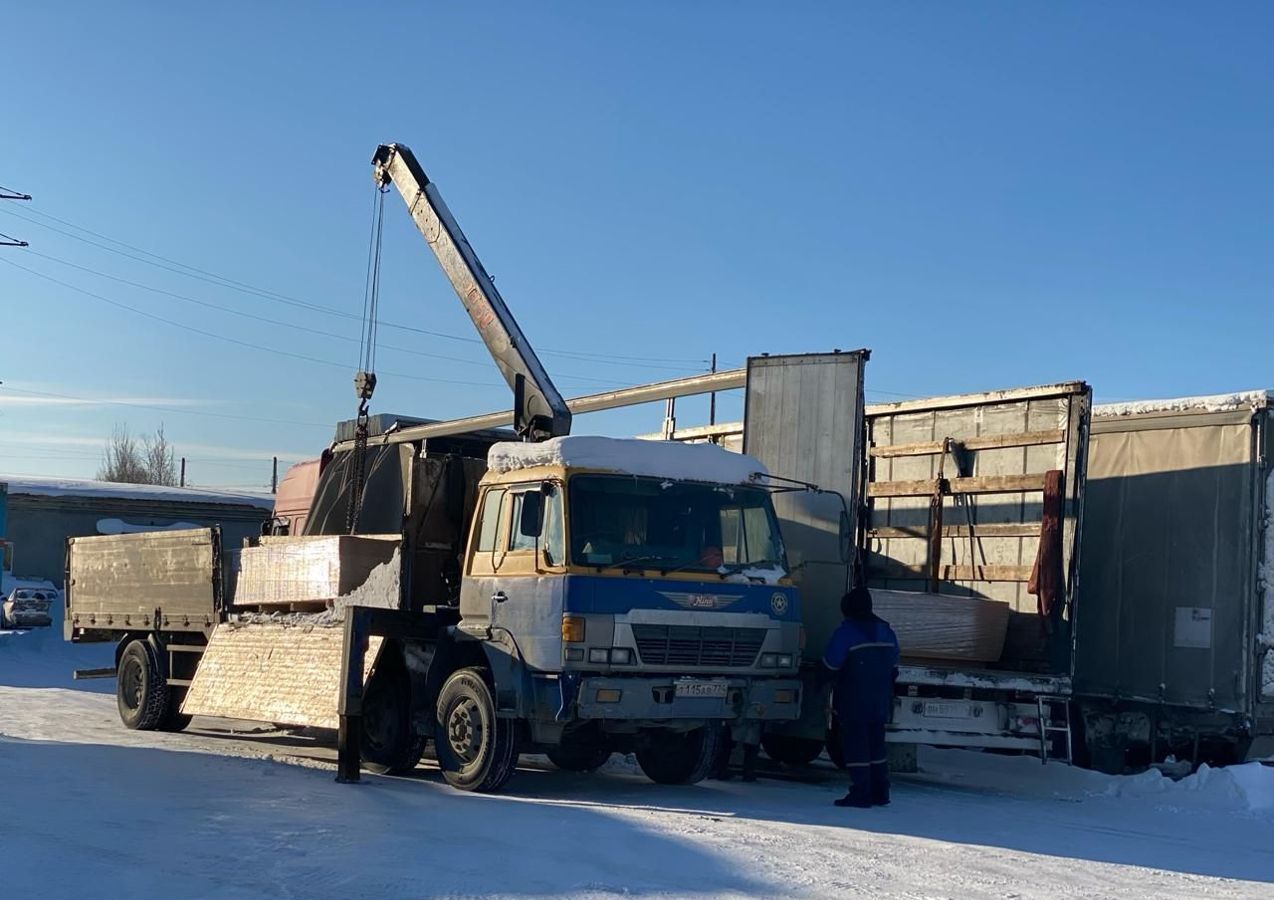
(864, 746)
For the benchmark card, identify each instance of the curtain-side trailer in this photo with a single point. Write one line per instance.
(1178, 613)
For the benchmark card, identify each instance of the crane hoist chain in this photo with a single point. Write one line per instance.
(365, 379)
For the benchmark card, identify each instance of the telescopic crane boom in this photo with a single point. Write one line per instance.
(539, 412)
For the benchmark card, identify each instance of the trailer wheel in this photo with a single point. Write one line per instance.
(141, 690)
(791, 750)
(389, 745)
(477, 750)
(577, 757)
(673, 757)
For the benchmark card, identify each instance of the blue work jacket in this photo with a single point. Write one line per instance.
(863, 655)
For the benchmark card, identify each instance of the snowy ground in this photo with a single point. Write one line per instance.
(89, 809)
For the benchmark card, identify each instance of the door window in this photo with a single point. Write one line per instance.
(489, 524)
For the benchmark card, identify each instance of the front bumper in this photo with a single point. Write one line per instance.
(653, 698)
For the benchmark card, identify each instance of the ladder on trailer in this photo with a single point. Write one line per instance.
(1054, 719)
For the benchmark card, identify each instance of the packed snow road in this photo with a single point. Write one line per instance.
(94, 810)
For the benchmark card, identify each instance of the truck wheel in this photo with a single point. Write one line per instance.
(389, 745)
(141, 690)
(791, 750)
(577, 758)
(477, 750)
(174, 719)
(673, 757)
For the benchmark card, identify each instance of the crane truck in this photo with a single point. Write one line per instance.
(570, 595)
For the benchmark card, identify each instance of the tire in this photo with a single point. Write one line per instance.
(578, 757)
(389, 745)
(791, 750)
(672, 757)
(174, 719)
(477, 750)
(141, 688)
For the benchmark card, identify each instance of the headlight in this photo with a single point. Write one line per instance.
(598, 655)
(769, 660)
(621, 656)
(785, 660)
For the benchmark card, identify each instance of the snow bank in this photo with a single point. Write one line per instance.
(1246, 787)
(41, 658)
(1211, 403)
(8, 582)
(63, 487)
(630, 456)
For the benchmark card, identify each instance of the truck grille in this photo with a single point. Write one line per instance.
(689, 645)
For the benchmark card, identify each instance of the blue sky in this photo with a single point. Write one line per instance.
(985, 194)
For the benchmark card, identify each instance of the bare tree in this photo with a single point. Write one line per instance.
(148, 461)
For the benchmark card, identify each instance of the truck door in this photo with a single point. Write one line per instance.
(486, 549)
(514, 583)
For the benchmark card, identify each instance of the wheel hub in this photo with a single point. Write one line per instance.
(464, 730)
(132, 684)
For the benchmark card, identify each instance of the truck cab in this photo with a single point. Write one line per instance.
(629, 593)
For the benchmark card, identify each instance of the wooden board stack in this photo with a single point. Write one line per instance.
(291, 571)
(940, 627)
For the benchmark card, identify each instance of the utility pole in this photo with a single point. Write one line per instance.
(183, 472)
(6, 240)
(712, 398)
(274, 477)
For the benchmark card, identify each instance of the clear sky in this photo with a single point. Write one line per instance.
(985, 194)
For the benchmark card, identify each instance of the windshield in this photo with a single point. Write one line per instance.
(618, 519)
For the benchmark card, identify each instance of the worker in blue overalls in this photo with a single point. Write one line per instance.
(862, 663)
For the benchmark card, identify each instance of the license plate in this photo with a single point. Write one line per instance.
(701, 689)
(939, 710)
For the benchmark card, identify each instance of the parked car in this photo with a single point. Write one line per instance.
(27, 608)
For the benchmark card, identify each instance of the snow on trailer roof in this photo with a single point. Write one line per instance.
(1209, 403)
(66, 487)
(630, 456)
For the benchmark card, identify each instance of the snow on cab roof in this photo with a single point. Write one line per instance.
(630, 456)
(1209, 403)
(68, 487)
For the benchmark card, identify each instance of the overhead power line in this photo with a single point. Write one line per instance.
(274, 351)
(189, 271)
(283, 324)
(5, 239)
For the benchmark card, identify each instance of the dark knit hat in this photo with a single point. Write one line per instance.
(857, 603)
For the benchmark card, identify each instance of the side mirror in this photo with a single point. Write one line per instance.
(846, 539)
(531, 523)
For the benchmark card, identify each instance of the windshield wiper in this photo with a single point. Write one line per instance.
(738, 569)
(625, 565)
(693, 565)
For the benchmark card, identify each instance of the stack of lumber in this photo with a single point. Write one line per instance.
(940, 627)
(299, 570)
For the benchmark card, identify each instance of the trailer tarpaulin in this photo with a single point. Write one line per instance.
(384, 492)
